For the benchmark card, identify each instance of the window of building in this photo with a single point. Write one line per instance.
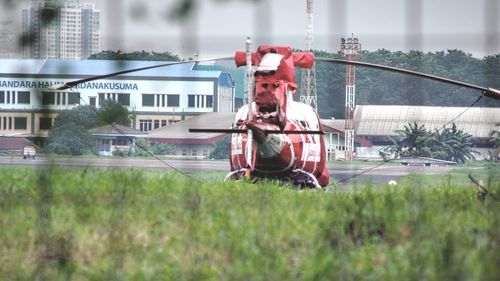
(48, 98)
(45, 123)
(156, 124)
(173, 100)
(191, 100)
(120, 141)
(209, 101)
(20, 123)
(92, 101)
(23, 97)
(162, 100)
(124, 99)
(15, 97)
(148, 100)
(60, 98)
(73, 98)
(105, 145)
(200, 101)
(101, 98)
(145, 125)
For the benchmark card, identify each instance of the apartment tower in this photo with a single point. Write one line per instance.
(60, 30)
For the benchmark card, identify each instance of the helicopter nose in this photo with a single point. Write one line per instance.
(267, 86)
(268, 145)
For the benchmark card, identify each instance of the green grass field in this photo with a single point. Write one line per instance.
(128, 224)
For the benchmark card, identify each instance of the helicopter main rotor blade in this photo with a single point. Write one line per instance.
(239, 131)
(72, 84)
(489, 92)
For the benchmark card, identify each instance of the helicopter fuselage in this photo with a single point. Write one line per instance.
(294, 155)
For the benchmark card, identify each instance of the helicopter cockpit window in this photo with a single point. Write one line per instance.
(264, 73)
(268, 96)
(304, 124)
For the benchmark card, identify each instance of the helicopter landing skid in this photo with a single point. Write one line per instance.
(304, 179)
(298, 177)
(236, 174)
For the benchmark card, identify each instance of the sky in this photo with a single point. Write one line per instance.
(220, 27)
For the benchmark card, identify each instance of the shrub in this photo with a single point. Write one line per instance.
(57, 148)
(163, 148)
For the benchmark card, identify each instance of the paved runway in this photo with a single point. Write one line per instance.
(342, 173)
(374, 173)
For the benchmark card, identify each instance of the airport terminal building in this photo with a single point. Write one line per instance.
(155, 97)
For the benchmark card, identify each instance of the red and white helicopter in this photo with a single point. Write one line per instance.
(273, 136)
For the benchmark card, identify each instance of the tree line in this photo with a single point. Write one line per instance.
(381, 87)
(137, 55)
(377, 87)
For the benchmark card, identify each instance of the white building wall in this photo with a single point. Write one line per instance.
(135, 88)
(334, 144)
(14, 89)
(374, 152)
(198, 151)
(226, 99)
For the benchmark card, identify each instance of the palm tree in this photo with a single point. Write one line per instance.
(414, 140)
(456, 143)
(495, 152)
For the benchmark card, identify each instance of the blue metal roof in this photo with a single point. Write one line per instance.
(237, 76)
(100, 67)
(225, 80)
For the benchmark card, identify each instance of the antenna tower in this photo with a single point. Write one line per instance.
(308, 88)
(350, 48)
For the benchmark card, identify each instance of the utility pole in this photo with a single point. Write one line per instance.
(350, 48)
(308, 88)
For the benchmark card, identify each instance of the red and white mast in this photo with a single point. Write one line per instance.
(308, 89)
(350, 48)
(249, 84)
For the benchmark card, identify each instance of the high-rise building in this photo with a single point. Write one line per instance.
(60, 30)
(6, 40)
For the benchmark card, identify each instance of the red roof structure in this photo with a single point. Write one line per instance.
(14, 143)
(178, 133)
